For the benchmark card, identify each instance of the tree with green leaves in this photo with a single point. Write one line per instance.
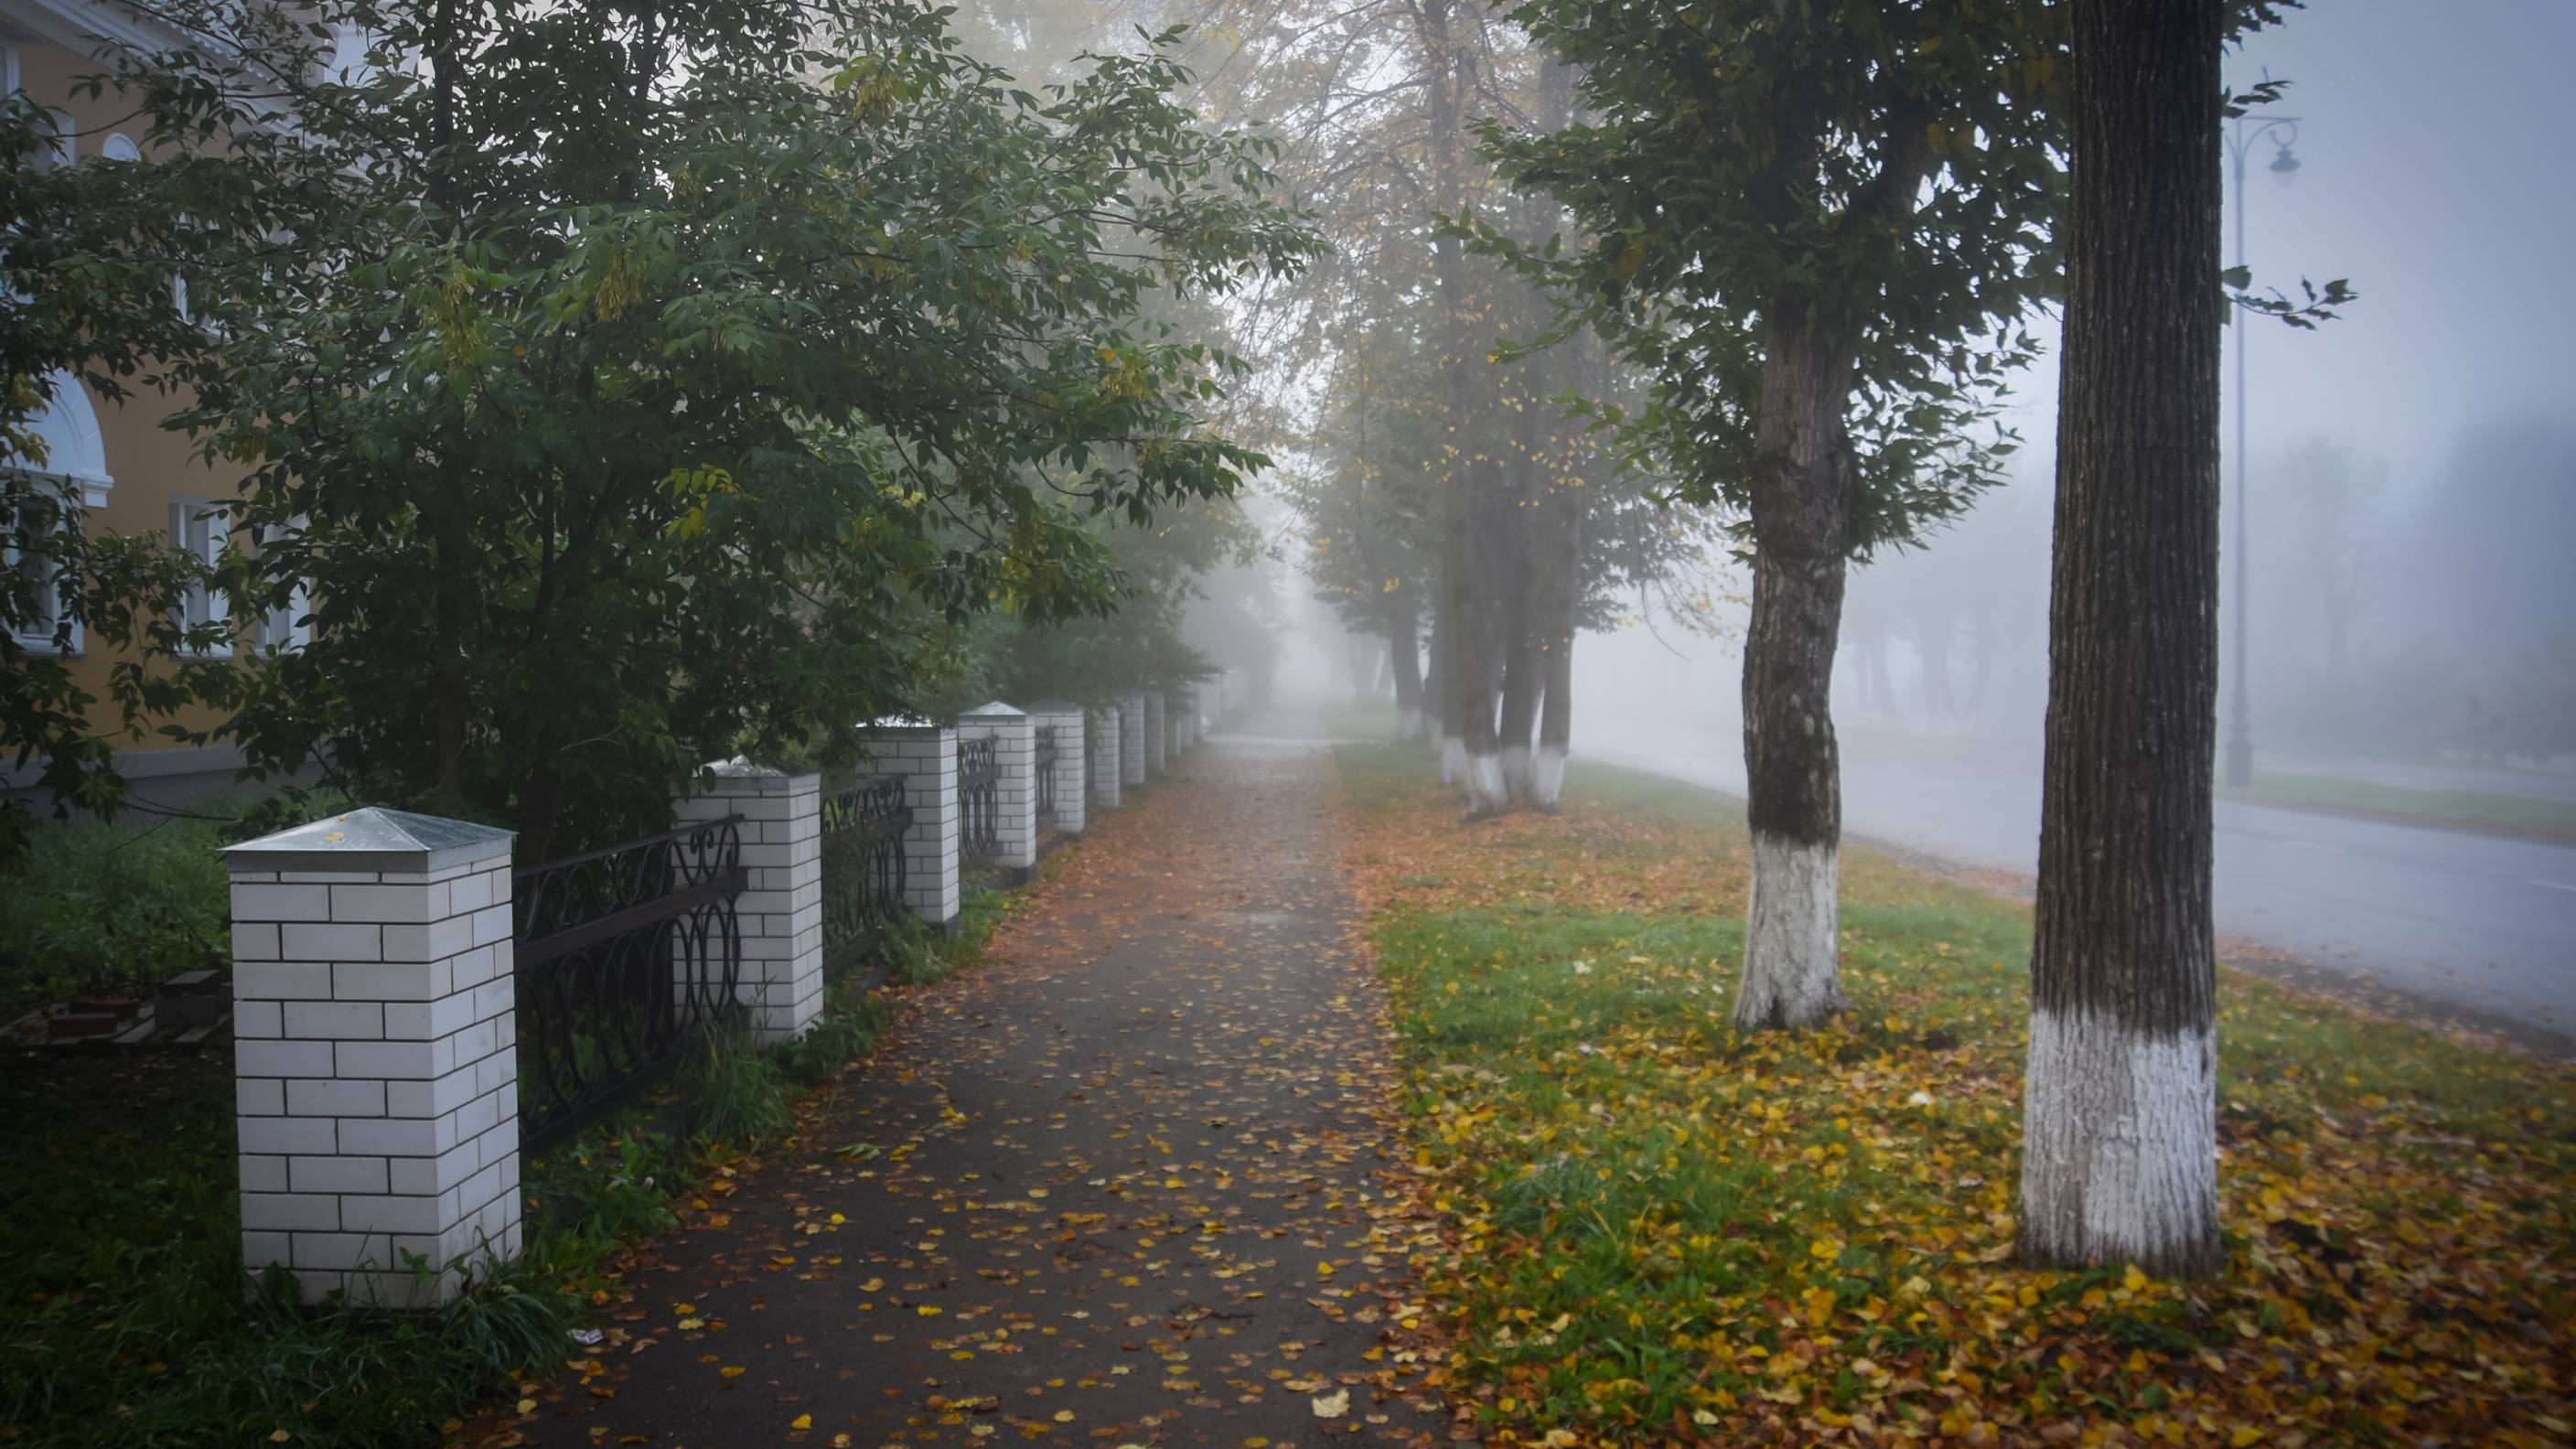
(1818, 227)
(88, 257)
(629, 383)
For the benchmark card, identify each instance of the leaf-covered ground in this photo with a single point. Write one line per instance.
(1135, 1179)
(1658, 1231)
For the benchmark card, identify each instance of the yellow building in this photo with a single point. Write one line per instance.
(134, 476)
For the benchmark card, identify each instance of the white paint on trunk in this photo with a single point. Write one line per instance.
(2120, 1144)
(1547, 776)
(1790, 978)
(1516, 771)
(1486, 794)
(1408, 723)
(1453, 760)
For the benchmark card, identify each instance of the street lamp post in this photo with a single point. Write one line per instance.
(2282, 131)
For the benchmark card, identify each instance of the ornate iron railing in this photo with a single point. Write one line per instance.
(1045, 765)
(979, 796)
(623, 958)
(863, 869)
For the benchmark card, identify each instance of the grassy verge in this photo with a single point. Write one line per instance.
(1360, 719)
(1660, 1231)
(122, 1315)
(2552, 820)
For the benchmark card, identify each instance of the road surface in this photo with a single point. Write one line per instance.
(2477, 927)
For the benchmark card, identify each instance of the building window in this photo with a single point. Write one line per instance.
(290, 628)
(197, 529)
(32, 572)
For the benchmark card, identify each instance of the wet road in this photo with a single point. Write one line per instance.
(2473, 925)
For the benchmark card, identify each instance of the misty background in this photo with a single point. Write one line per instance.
(2412, 490)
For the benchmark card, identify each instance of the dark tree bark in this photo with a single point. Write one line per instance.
(2119, 1107)
(1524, 682)
(1803, 503)
(1470, 754)
(1556, 710)
(1404, 655)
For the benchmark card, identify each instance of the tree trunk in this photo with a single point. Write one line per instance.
(1556, 715)
(2119, 1122)
(1802, 506)
(1449, 736)
(1435, 686)
(1404, 655)
(1524, 680)
(1470, 754)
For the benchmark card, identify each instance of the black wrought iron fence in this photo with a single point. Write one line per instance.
(863, 867)
(979, 796)
(1045, 764)
(624, 957)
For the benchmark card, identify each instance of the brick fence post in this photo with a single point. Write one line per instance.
(1015, 826)
(781, 910)
(1107, 754)
(1157, 734)
(1071, 771)
(375, 1053)
(1184, 724)
(924, 755)
(1131, 738)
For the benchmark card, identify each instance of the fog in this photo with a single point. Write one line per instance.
(2399, 514)
(2412, 486)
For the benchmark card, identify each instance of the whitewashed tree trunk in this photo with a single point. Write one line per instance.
(2119, 1140)
(1791, 975)
(2119, 1107)
(1486, 793)
(1547, 778)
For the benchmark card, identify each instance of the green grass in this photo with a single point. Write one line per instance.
(116, 908)
(1654, 1218)
(2460, 809)
(1360, 719)
(123, 1316)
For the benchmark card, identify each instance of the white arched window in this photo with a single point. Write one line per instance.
(119, 147)
(73, 468)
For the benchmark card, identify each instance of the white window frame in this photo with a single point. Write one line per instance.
(75, 468)
(289, 629)
(29, 636)
(200, 529)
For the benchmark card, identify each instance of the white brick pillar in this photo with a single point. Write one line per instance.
(781, 908)
(1071, 771)
(1016, 808)
(1157, 736)
(1108, 752)
(925, 756)
(1176, 720)
(375, 1053)
(1131, 738)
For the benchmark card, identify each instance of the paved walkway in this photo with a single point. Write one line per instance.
(1129, 1182)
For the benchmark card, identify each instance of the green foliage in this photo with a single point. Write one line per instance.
(95, 907)
(739, 1094)
(127, 1320)
(1888, 177)
(88, 255)
(847, 1035)
(648, 411)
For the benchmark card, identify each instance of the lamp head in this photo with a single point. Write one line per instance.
(2285, 167)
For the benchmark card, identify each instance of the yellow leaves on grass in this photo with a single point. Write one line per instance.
(1816, 1231)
